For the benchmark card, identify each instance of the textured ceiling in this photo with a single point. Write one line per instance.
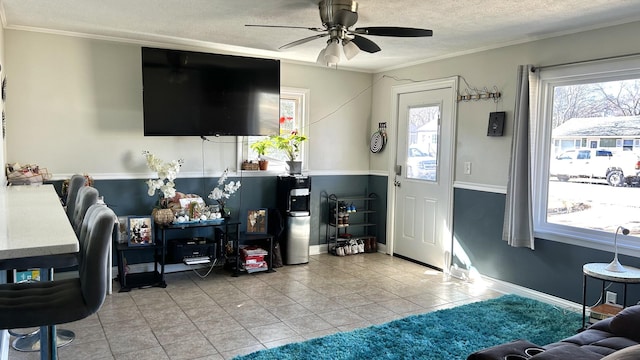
(459, 26)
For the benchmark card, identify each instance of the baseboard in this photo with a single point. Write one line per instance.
(169, 268)
(508, 288)
(318, 249)
(323, 249)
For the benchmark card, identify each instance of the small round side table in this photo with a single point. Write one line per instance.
(598, 271)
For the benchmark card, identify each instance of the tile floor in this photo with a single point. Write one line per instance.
(219, 317)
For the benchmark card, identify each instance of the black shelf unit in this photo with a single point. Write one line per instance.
(229, 228)
(360, 218)
(153, 278)
(156, 277)
(250, 239)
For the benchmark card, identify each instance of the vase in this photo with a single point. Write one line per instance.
(295, 167)
(162, 216)
(225, 212)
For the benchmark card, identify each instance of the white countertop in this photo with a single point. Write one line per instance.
(34, 223)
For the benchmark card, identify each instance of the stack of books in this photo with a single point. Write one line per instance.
(253, 259)
(603, 311)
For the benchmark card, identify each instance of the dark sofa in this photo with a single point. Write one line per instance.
(614, 338)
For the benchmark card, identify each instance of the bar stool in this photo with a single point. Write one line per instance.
(75, 184)
(46, 304)
(86, 196)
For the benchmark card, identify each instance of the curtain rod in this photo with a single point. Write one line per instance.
(535, 68)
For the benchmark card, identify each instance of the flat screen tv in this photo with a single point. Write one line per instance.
(201, 94)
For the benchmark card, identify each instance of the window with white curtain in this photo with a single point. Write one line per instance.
(588, 158)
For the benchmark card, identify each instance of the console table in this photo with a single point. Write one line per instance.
(156, 277)
(598, 271)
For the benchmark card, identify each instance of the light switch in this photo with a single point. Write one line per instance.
(467, 168)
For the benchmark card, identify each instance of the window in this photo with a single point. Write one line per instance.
(586, 174)
(422, 159)
(293, 117)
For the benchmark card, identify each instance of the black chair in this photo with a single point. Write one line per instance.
(48, 303)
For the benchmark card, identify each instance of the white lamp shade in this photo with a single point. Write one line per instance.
(332, 53)
(350, 49)
(320, 59)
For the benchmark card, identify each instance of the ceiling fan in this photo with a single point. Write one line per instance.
(338, 16)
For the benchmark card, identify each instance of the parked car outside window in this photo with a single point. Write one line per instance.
(616, 169)
(421, 164)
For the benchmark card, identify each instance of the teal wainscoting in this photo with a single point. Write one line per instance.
(129, 197)
(554, 268)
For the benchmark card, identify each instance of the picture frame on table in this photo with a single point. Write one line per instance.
(257, 221)
(140, 231)
(123, 229)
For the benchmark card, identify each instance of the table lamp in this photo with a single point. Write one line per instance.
(615, 264)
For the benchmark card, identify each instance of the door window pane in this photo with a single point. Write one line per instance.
(422, 152)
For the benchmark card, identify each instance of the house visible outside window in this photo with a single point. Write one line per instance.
(293, 117)
(587, 164)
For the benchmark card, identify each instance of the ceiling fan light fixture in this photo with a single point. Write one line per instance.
(338, 18)
(320, 59)
(332, 52)
(350, 49)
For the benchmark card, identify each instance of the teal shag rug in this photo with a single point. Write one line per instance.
(448, 334)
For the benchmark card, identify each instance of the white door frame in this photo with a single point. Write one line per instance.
(396, 91)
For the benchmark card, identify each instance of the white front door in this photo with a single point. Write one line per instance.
(423, 181)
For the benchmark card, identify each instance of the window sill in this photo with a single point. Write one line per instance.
(593, 241)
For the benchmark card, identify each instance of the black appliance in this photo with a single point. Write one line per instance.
(179, 249)
(294, 202)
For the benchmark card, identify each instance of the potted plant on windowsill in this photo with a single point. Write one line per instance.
(291, 145)
(261, 147)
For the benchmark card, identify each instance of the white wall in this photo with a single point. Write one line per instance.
(75, 105)
(490, 155)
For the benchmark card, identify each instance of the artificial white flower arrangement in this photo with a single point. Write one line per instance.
(167, 173)
(224, 191)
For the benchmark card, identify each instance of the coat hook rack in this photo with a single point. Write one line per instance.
(471, 93)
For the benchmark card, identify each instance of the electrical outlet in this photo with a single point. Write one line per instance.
(612, 298)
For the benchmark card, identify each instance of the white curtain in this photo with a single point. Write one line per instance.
(517, 230)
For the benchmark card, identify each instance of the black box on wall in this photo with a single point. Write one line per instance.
(496, 123)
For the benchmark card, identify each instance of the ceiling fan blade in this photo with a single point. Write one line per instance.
(393, 31)
(346, 18)
(302, 41)
(288, 27)
(365, 44)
